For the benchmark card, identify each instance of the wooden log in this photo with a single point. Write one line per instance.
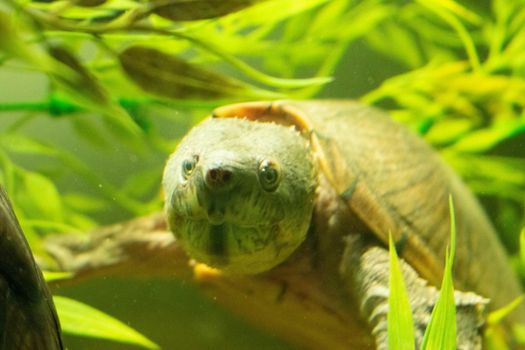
(291, 301)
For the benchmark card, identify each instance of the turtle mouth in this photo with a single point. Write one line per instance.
(216, 214)
(220, 242)
(218, 245)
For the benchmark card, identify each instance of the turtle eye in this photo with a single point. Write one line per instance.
(188, 166)
(269, 175)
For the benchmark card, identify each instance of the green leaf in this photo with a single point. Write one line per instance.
(459, 10)
(83, 320)
(406, 49)
(522, 246)
(253, 73)
(84, 203)
(190, 10)
(400, 324)
(169, 76)
(78, 83)
(272, 12)
(441, 330)
(55, 276)
(519, 335)
(70, 71)
(496, 316)
(142, 183)
(87, 129)
(454, 22)
(485, 139)
(88, 3)
(24, 145)
(80, 221)
(487, 174)
(448, 131)
(53, 226)
(41, 197)
(10, 41)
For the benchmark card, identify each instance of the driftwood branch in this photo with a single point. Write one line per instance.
(292, 301)
(293, 306)
(141, 247)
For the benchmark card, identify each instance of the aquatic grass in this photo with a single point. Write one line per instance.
(441, 330)
(458, 80)
(400, 323)
(467, 109)
(496, 316)
(522, 246)
(82, 320)
(85, 84)
(287, 47)
(449, 12)
(495, 337)
(50, 276)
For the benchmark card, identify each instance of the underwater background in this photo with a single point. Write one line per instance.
(95, 94)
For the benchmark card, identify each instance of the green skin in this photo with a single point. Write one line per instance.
(240, 194)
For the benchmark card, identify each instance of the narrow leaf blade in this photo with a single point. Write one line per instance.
(522, 246)
(191, 10)
(51, 276)
(169, 76)
(83, 320)
(400, 323)
(441, 330)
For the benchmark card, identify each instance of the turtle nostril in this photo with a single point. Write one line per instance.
(217, 177)
(213, 175)
(226, 176)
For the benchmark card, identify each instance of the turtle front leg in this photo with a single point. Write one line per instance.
(365, 272)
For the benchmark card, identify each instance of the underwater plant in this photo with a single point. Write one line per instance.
(95, 93)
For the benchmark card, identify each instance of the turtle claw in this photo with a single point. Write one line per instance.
(365, 271)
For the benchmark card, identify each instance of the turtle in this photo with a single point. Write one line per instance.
(28, 318)
(258, 184)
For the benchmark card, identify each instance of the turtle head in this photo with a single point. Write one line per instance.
(239, 193)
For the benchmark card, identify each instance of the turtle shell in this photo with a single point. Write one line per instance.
(395, 183)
